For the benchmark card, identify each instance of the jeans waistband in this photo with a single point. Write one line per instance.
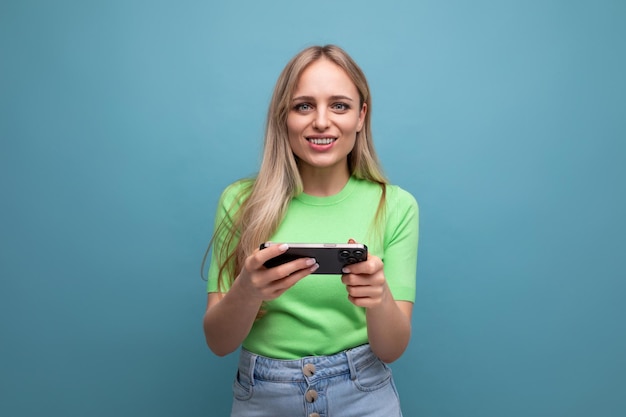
(307, 369)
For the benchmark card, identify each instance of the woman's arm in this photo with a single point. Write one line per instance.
(389, 329)
(230, 316)
(388, 320)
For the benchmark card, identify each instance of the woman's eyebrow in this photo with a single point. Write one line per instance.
(310, 98)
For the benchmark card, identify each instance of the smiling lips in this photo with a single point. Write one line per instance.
(321, 141)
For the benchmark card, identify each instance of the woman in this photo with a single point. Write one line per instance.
(314, 345)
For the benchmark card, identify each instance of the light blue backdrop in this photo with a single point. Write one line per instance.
(121, 121)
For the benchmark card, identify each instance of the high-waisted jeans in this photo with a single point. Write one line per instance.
(350, 383)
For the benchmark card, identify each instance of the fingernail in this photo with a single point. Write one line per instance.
(314, 267)
(283, 247)
(310, 261)
(345, 270)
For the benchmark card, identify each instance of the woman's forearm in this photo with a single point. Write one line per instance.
(228, 319)
(389, 327)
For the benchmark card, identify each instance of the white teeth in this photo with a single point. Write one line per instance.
(323, 141)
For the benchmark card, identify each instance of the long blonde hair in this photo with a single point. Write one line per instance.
(266, 198)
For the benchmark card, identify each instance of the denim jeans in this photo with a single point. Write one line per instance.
(350, 383)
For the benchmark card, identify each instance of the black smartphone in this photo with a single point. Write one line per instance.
(331, 257)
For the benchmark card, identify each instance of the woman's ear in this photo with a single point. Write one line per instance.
(362, 117)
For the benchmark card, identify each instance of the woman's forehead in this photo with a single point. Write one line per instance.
(325, 78)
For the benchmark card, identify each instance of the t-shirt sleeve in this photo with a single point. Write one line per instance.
(229, 203)
(400, 245)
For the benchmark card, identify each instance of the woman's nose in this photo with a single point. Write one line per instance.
(321, 120)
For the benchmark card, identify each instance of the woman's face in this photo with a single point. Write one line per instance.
(324, 118)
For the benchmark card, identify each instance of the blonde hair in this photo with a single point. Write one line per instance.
(266, 198)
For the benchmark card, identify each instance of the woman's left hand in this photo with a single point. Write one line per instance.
(388, 320)
(365, 282)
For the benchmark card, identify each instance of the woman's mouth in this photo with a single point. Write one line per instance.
(321, 141)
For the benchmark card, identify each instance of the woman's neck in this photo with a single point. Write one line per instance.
(324, 183)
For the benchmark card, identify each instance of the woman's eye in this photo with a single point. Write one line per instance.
(340, 106)
(303, 107)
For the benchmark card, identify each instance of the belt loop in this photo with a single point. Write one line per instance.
(251, 366)
(349, 354)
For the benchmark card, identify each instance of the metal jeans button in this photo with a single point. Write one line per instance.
(308, 369)
(311, 395)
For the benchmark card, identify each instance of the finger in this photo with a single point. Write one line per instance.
(296, 276)
(365, 302)
(355, 280)
(365, 291)
(270, 280)
(363, 280)
(260, 256)
(283, 284)
(370, 266)
(294, 266)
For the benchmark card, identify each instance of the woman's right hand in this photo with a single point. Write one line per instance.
(229, 316)
(266, 284)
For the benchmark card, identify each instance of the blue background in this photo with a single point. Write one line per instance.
(121, 122)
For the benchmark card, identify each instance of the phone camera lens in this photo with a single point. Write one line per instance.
(344, 253)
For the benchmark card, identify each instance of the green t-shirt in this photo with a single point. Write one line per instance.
(315, 317)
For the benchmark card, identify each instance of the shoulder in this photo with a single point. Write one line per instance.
(400, 203)
(400, 196)
(402, 215)
(369, 188)
(395, 196)
(236, 193)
